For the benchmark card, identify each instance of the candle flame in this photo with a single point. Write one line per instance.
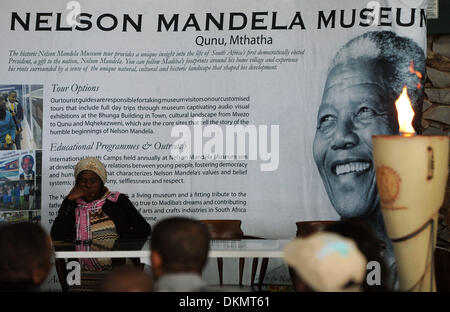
(405, 112)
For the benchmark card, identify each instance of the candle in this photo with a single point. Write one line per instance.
(411, 173)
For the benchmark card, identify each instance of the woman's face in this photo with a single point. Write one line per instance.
(92, 184)
(354, 107)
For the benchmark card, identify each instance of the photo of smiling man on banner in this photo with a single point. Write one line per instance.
(364, 79)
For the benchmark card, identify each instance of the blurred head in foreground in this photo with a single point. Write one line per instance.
(127, 279)
(25, 256)
(325, 262)
(179, 245)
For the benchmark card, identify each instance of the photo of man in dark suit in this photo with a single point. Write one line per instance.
(27, 164)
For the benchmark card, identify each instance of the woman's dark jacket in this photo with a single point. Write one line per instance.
(128, 221)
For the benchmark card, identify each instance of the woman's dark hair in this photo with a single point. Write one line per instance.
(368, 243)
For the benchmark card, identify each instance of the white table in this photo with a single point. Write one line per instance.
(246, 248)
(255, 248)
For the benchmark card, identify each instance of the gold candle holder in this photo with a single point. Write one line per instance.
(411, 173)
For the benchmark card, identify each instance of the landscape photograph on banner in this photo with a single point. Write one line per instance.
(20, 186)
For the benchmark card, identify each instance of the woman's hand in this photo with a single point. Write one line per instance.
(77, 192)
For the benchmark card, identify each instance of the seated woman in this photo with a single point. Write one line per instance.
(91, 212)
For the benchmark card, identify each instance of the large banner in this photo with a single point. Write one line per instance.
(255, 110)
